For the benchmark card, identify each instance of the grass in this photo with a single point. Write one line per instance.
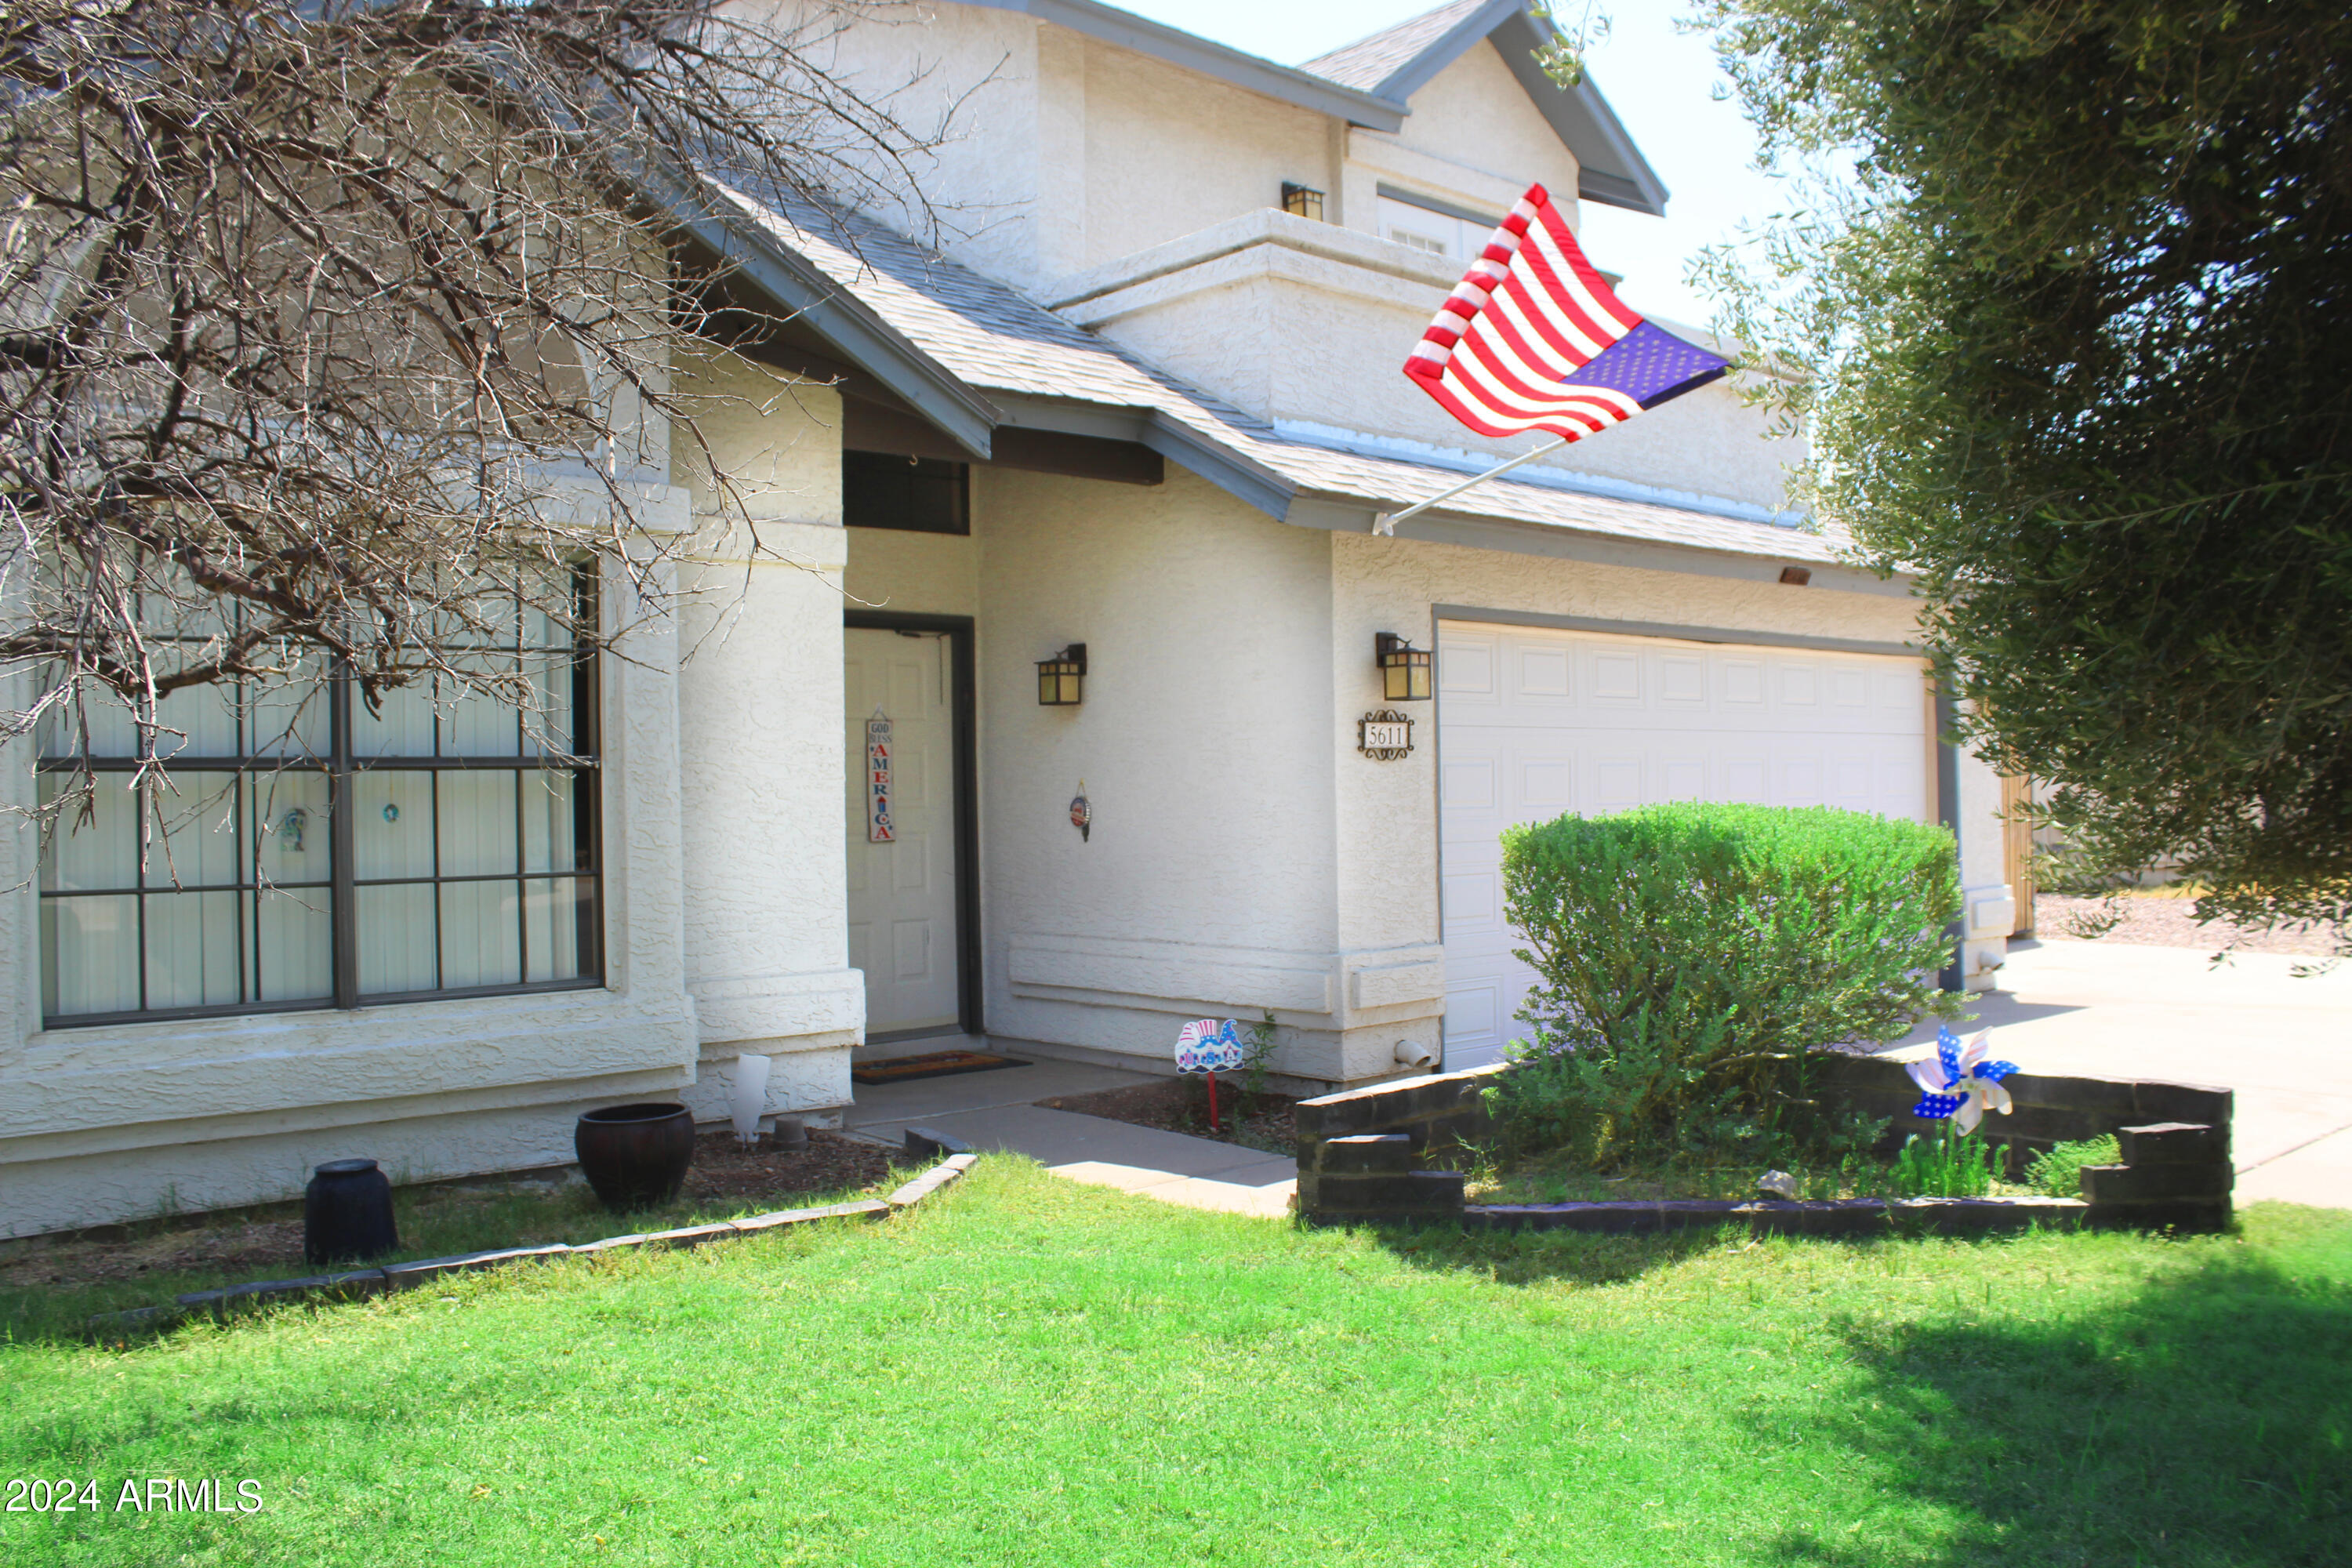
(434, 1221)
(1034, 1372)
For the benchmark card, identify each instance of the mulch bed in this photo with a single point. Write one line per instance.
(724, 1170)
(259, 1242)
(1181, 1105)
(2161, 920)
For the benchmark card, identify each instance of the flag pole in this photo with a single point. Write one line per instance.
(1385, 523)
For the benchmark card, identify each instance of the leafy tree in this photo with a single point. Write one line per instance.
(2074, 289)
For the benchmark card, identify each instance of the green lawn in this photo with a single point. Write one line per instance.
(1027, 1371)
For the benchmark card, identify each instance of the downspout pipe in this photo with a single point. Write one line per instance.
(1948, 810)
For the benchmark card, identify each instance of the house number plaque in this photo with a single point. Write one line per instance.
(1385, 735)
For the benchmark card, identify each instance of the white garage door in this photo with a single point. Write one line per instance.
(1533, 724)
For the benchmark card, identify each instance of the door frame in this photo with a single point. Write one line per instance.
(963, 707)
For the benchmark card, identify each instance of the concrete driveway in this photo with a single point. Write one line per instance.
(2283, 1044)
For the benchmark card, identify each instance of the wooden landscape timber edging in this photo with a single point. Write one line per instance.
(1358, 1154)
(2047, 1109)
(359, 1283)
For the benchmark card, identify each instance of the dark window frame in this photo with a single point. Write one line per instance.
(342, 767)
(866, 476)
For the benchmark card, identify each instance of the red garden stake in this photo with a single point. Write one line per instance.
(1203, 1045)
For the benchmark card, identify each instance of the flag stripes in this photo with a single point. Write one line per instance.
(1524, 341)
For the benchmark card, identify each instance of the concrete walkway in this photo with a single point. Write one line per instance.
(995, 1110)
(2285, 1045)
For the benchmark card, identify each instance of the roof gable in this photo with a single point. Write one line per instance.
(1394, 61)
(1397, 62)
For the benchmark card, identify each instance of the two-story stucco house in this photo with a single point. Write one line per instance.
(1088, 505)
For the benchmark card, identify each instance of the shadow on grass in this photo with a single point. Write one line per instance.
(2206, 1420)
(1530, 1257)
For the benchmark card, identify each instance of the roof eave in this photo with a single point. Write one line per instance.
(1611, 169)
(802, 292)
(1212, 60)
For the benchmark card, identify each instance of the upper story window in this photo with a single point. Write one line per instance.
(918, 495)
(1454, 234)
(308, 852)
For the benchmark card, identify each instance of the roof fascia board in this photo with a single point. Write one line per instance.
(1345, 514)
(1180, 48)
(1611, 169)
(1449, 47)
(1179, 442)
(800, 291)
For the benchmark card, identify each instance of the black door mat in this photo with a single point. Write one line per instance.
(931, 1064)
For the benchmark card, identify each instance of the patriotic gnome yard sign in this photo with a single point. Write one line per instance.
(1206, 1045)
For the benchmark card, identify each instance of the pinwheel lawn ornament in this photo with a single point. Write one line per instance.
(1205, 1046)
(1959, 1084)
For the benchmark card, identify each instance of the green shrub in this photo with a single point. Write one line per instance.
(1694, 957)
(2059, 1172)
(1947, 1165)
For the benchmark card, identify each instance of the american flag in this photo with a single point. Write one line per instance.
(1534, 339)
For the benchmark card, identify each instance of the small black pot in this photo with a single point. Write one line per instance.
(635, 1156)
(347, 1213)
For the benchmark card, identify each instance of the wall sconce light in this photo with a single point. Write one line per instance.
(1059, 679)
(1302, 200)
(1405, 668)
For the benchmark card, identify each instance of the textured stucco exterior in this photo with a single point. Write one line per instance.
(760, 704)
(121, 1121)
(1245, 858)
(1294, 324)
(723, 908)
(1472, 138)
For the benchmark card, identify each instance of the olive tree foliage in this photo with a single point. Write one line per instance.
(329, 329)
(2072, 283)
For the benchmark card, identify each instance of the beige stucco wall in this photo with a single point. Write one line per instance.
(963, 80)
(1169, 152)
(1314, 329)
(760, 716)
(1473, 138)
(1206, 880)
(921, 574)
(1245, 855)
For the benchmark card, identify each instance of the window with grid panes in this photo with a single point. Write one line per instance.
(309, 851)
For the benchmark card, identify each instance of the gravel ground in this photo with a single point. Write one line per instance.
(2154, 921)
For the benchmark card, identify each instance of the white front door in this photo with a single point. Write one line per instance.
(1533, 724)
(902, 892)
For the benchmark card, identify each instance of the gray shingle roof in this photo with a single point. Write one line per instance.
(1368, 63)
(1000, 342)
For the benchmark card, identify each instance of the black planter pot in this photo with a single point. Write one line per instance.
(635, 1156)
(347, 1213)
